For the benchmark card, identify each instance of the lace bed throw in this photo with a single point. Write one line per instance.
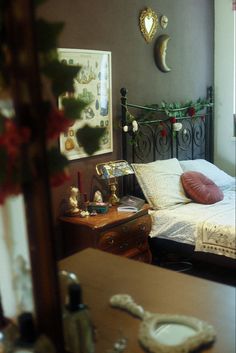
(210, 227)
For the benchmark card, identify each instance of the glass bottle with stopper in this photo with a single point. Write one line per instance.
(29, 340)
(78, 329)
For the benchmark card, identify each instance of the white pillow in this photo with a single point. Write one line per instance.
(160, 182)
(220, 178)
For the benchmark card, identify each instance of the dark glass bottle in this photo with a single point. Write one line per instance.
(78, 329)
(8, 332)
(28, 340)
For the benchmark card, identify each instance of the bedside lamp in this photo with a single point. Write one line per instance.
(111, 170)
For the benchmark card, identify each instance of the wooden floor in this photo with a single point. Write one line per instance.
(182, 258)
(214, 273)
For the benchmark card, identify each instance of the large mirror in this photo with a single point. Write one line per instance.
(79, 33)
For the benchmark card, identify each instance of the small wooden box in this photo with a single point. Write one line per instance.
(99, 207)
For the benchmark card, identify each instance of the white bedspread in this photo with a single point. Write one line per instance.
(211, 228)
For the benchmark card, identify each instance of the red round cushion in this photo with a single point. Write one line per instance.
(201, 189)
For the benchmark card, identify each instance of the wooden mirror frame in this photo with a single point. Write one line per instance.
(148, 15)
(25, 85)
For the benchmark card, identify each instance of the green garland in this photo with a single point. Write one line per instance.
(179, 110)
(171, 110)
(172, 113)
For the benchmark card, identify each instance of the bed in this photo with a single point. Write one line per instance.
(170, 146)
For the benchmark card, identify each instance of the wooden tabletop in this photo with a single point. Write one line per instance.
(158, 290)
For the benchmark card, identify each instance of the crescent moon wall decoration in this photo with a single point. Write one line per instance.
(160, 52)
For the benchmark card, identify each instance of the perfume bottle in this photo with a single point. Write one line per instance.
(78, 329)
(65, 279)
(28, 340)
(8, 332)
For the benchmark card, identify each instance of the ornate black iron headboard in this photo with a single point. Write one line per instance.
(167, 131)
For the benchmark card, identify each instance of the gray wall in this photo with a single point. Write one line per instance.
(114, 25)
(225, 36)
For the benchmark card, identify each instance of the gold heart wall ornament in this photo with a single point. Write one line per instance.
(148, 24)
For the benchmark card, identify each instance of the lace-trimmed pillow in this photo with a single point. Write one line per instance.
(160, 182)
(200, 188)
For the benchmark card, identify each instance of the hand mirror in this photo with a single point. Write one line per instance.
(164, 333)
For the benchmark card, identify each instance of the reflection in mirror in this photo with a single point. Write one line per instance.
(45, 261)
(148, 24)
(65, 279)
(172, 334)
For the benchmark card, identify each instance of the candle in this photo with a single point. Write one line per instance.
(85, 198)
(79, 182)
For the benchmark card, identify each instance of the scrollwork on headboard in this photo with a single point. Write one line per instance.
(167, 131)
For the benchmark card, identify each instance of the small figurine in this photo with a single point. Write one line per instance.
(164, 21)
(97, 196)
(84, 213)
(73, 200)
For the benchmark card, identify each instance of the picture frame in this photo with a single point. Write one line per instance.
(93, 83)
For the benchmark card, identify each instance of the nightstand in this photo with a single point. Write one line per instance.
(122, 233)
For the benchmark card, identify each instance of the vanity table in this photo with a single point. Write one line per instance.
(158, 290)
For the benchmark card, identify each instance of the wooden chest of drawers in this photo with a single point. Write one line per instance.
(122, 233)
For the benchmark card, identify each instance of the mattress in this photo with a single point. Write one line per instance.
(210, 228)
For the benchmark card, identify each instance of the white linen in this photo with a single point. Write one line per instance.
(217, 175)
(211, 228)
(160, 182)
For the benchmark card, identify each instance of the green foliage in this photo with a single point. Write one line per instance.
(89, 138)
(73, 107)
(1, 124)
(177, 109)
(61, 76)
(47, 34)
(57, 161)
(57, 80)
(129, 117)
(3, 165)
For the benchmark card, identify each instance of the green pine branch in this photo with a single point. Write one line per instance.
(61, 75)
(56, 161)
(47, 34)
(89, 138)
(73, 107)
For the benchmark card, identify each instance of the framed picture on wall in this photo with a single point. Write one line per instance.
(92, 84)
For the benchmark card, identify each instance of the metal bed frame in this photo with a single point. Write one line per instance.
(195, 140)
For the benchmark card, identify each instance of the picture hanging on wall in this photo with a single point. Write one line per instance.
(93, 85)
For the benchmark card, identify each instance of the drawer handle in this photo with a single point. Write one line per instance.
(125, 229)
(110, 241)
(123, 246)
(142, 227)
(140, 244)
